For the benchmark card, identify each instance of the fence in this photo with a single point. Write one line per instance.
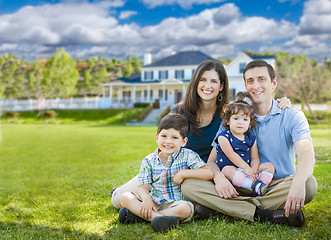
(94, 103)
(71, 103)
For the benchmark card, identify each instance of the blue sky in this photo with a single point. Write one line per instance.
(116, 28)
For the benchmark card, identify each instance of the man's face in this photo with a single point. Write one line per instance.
(259, 85)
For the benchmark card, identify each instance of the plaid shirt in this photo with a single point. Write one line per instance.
(153, 171)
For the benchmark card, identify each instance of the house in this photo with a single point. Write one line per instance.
(166, 80)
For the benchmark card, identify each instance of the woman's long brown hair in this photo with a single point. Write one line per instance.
(192, 103)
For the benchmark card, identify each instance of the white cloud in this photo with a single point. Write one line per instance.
(86, 30)
(127, 14)
(316, 17)
(186, 4)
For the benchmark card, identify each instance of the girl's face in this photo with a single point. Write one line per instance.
(209, 85)
(239, 123)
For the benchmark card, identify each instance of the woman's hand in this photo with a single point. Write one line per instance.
(284, 102)
(224, 187)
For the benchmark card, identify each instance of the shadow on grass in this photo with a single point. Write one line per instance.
(29, 231)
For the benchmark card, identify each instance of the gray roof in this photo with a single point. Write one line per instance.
(181, 59)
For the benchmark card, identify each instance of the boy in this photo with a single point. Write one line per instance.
(160, 199)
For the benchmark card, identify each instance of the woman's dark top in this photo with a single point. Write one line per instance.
(201, 144)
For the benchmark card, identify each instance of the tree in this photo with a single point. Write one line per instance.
(136, 64)
(60, 76)
(127, 67)
(301, 78)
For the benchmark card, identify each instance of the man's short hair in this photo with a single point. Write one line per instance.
(260, 63)
(175, 121)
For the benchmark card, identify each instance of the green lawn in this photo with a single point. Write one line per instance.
(55, 182)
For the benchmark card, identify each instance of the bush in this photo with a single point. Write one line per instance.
(165, 112)
(11, 114)
(145, 112)
(49, 114)
(140, 105)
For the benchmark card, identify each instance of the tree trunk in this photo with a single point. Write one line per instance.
(310, 110)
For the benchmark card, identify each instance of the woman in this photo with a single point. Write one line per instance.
(205, 97)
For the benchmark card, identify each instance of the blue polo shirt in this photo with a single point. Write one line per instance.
(276, 135)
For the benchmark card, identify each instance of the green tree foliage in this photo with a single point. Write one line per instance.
(136, 64)
(127, 67)
(302, 79)
(60, 75)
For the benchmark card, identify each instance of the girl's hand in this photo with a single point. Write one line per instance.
(284, 102)
(250, 172)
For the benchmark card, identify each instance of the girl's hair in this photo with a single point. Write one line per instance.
(239, 105)
(192, 103)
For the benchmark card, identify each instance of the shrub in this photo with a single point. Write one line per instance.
(140, 105)
(11, 114)
(145, 112)
(165, 112)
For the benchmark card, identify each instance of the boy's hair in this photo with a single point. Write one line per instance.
(260, 63)
(175, 121)
(239, 105)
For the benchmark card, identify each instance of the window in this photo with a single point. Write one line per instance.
(242, 67)
(179, 74)
(160, 93)
(163, 74)
(148, 75)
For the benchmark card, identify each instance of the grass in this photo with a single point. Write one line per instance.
(55, 182)
(78, 116)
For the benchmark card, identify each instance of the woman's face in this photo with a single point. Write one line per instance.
(209, 85)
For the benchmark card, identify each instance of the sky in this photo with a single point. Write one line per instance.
(117, 28)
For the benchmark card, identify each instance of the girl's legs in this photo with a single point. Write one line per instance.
(266, 172)
(238, 177)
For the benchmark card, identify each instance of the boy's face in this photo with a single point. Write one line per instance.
(170, 141)
(259, 84)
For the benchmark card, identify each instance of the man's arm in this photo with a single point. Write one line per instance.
(204, 173)
(223, 186)
(305, 166)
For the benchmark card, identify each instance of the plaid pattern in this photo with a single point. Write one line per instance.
(153, 171)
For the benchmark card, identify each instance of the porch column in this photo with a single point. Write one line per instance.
(163, 95)
(134, 94)
(110, 95)
(184, 91)
(148, 93)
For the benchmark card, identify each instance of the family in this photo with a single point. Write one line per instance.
(235, 159)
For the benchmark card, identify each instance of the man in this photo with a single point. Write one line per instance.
(280, 133)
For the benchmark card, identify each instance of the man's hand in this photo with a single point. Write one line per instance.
(224, 187)
(295, 199)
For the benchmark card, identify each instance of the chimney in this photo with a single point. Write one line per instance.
(147, 58)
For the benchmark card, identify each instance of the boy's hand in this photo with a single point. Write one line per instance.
(146, 209)
(178, 178)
